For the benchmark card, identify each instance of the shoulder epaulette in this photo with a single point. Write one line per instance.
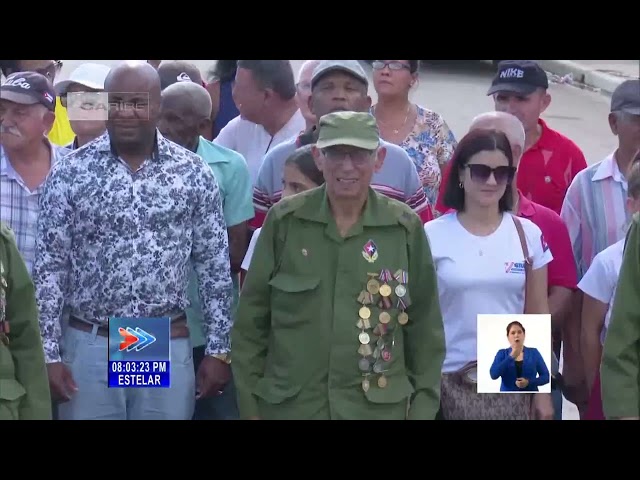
(290, 204)
(406, 217)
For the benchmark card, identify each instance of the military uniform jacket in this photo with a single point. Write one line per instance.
(310, 341)
(24, 385)
(620, 369)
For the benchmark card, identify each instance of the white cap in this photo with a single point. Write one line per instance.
(90, 75)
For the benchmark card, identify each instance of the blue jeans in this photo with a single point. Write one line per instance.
(86, 355)
(220, 407)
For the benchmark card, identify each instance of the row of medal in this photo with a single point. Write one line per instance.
(377, 354)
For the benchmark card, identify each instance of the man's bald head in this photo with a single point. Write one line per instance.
(133, 72)
(134, 99)
(506, 123)
(193, 98)
(185, 114)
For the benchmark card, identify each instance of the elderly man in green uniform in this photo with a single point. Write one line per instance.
(339, 315)
(24, 385)
(620, 368)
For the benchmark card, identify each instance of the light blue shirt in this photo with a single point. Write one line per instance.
(234, 181)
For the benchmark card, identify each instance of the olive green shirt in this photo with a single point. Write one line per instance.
(620, 369)
(296, 340)
(24, 384)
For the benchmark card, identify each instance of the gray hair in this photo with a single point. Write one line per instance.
(194, 96)
(504, 122)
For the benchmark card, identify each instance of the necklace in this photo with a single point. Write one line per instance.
(395, 130)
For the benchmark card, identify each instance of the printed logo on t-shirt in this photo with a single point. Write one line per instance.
(545, 245)
(514, 267)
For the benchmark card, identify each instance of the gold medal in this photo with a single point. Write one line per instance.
(373, 287)
(364, 312)
(401, 291)
(385, 290)
(365, 385)
(382, 381)
(364, 338)
(403, 318)
(384, 318)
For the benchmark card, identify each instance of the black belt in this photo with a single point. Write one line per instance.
(103, 331)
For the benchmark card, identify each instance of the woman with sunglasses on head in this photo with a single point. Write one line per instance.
(488, 261)
(421, 132)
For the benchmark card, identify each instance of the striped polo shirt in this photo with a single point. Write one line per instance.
(397, 179)
(595, 212)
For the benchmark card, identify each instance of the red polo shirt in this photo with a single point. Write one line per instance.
(547, 168)
(545, 171)
(562, 270)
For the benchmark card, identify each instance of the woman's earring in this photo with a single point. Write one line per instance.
(461, 185)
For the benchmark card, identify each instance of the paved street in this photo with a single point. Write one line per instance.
(457, 90)
(620, 68)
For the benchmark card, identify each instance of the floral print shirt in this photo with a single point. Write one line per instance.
(114, 242)
(430, 145)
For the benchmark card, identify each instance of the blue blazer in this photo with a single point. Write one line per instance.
(533, 369)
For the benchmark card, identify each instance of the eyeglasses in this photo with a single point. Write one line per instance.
(480, 173)
(358, 157)
(379, 65)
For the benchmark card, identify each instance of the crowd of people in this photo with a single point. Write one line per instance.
(319, 256)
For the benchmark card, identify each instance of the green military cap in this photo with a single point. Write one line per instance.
(354, 129)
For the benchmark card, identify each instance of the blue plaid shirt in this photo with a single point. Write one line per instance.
(19, 206)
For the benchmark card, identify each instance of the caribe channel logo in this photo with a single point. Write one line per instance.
(135, 339)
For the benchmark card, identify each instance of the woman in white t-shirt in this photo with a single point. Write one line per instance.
(300, 174)
(481, 269)
(599, 288)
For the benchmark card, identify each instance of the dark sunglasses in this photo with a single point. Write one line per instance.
(481, 173)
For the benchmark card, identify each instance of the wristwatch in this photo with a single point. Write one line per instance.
(223, 357)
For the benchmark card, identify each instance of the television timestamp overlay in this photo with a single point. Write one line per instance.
(492, 336)
(139, 352)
